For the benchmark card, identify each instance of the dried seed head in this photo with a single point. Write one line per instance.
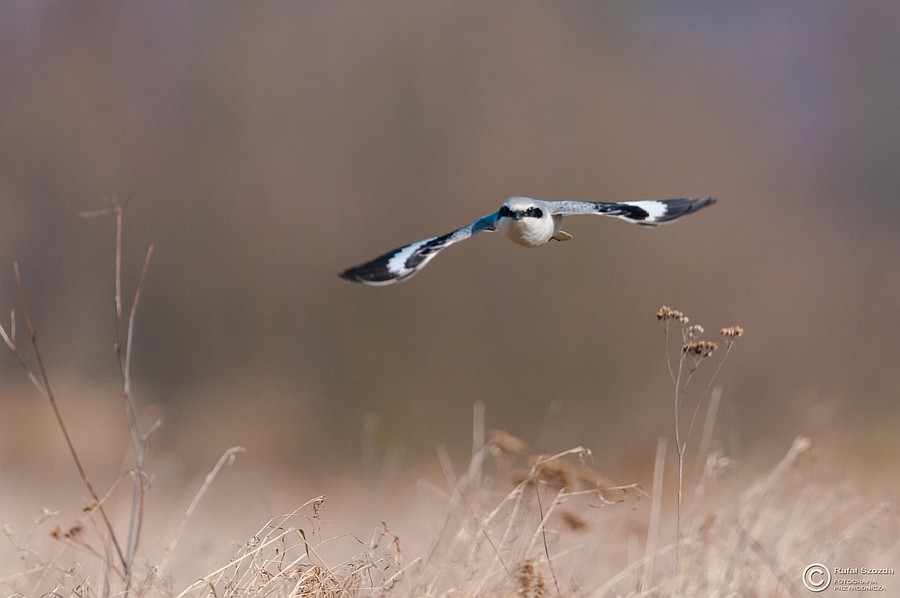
(70, 534)
(573, 520)
(732, 332)
(699, 348)
(667, 313)
(555, 473)
(694, 331)
(531, 581)
(540, 586)
(501, 442)
(526, 576)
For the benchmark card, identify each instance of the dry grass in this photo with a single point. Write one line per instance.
(535, 539)
(511, 524)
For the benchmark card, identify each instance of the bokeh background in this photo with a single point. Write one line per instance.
(263, 148)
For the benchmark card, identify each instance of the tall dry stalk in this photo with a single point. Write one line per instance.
(694, 351)
(138, 435)
(41, 381)
(39, 377)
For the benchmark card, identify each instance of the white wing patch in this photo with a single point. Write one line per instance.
(397, 263)
(656, 210)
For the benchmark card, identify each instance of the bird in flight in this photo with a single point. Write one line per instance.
(525, 221)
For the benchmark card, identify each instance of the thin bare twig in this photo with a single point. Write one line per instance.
(138, 437)
(123, 348)
(43, 386)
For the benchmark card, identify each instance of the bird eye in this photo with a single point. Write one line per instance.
(504, 211)
(536, 212)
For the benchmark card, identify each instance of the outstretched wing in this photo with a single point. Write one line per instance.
(402, 263)
(648, 212)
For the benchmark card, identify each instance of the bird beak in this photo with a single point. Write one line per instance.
(517, 214)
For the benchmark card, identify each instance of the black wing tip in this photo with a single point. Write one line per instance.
(683, 207)
(374, 274)
(699, 204)
(695, 202)
(350, 275)
(359, 273)
(367, 275)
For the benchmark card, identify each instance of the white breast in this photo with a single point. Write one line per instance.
(528, 232)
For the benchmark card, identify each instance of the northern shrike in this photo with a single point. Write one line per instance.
(526, 222)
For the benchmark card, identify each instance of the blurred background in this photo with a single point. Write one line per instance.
(265, 148)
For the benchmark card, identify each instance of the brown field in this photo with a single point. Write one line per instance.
(509, 523)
